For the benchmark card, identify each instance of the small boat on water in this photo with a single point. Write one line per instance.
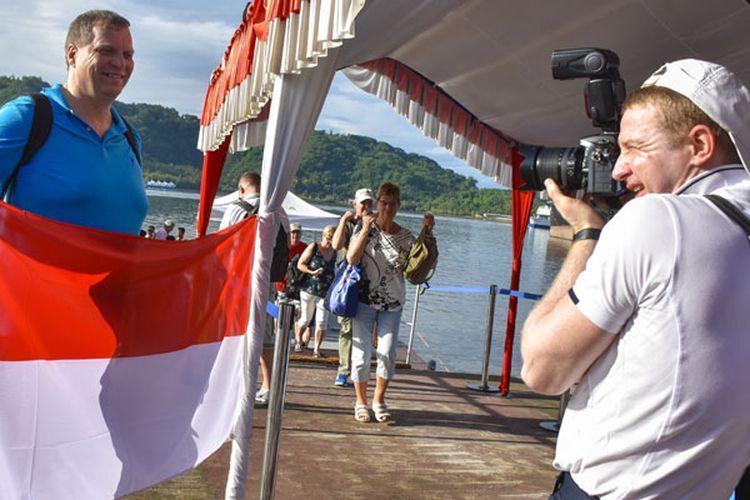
(542, 217)
(157, 184)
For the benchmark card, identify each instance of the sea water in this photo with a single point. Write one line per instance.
(451, 327)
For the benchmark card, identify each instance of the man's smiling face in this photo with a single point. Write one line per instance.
(648, 161)
(103, 67)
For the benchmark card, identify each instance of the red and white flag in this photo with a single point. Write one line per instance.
(119, 356)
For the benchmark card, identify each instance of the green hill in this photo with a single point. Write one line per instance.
(333, 166)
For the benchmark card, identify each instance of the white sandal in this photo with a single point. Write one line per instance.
(381, 412)
(362, 413)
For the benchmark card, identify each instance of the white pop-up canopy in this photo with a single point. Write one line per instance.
(298, 211)
(473, 74)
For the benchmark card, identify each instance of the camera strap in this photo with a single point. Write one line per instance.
(731, 211)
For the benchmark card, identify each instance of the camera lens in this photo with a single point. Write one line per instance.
(563, 165)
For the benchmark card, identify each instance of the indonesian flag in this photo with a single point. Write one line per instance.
(119, 356)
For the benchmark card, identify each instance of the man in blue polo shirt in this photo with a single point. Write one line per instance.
(86, 173)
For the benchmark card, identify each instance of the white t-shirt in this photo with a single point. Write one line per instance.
(236, 213)
(382, 266)
(665, 411)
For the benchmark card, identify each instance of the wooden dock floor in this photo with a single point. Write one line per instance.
(446, 442)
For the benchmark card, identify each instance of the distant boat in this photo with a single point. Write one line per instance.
(541, 218)
(155, 184)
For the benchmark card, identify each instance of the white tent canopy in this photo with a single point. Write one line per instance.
(490, 57)
(298, 211)
(493, 58)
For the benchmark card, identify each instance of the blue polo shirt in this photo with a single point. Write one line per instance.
(76, 177)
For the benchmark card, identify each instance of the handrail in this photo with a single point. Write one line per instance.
(481, 289)
(421, 289)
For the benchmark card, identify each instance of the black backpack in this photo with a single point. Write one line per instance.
(295, 279)
(41, 126)
(280, 259)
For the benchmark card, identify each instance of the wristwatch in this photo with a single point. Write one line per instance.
(588, 233)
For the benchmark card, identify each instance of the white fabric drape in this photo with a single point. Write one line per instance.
(296, 104)
(297, 42)
(430, 125)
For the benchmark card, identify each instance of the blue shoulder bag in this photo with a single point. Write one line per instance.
(343, 295)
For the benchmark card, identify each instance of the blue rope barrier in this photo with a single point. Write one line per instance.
(482, 289)
(516, 293)
(459, 289)
(272, 309)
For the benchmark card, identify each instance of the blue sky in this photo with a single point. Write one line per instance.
(178, 44)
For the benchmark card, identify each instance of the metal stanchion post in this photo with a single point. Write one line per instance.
(484, 386)
(276, 397)
(413, 324)
(554, 425)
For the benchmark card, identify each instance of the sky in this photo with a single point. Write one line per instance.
(177, 46)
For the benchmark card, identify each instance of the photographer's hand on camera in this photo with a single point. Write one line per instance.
(578, 213)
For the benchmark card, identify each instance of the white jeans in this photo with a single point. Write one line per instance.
(362, 325)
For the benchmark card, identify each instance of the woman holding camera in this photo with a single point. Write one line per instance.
(380, 247)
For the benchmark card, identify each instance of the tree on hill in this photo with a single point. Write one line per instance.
(168, 137)
(333, 165)
(11, 87)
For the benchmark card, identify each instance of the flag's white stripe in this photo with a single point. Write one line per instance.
(100, 428)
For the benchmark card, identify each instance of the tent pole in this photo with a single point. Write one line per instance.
(413, 323)
(510, 329)
(213, 164)
(276, 398)
(522, 203)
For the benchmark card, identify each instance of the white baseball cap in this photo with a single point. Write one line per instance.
(716, 91)
(363, 195)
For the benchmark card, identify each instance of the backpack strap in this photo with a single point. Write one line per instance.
(41, 125)
(130, 136)
(249, 208)
(731, 211)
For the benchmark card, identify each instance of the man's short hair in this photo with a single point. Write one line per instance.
(250, 179)
(81, 30)
(678, 117)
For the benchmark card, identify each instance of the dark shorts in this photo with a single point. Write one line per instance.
(567, 489)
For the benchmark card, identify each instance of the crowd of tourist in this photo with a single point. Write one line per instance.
(373, 241)
(164, 232)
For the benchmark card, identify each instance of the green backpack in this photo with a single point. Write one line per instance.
(422, 259)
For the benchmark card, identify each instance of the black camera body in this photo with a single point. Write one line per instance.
(589, 165)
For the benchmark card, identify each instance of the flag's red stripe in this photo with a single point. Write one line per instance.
(68, 292)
